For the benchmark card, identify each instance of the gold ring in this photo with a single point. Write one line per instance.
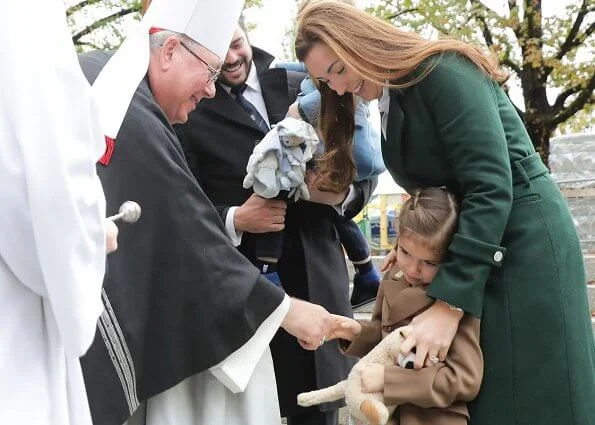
(433, 359)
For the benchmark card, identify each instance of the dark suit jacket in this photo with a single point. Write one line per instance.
(220, 136)
(218, 140)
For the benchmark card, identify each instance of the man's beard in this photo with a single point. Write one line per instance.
(223, 80)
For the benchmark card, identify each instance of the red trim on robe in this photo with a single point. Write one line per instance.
(109, 142)
(109, 150)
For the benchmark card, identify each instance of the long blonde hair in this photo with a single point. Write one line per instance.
(376, 49)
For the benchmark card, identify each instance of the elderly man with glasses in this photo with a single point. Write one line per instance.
(213, 73)
(182, 305)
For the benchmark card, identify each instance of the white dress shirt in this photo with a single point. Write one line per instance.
(253, 94)
(384, 107)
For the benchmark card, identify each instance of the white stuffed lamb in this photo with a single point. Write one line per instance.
(367, 407)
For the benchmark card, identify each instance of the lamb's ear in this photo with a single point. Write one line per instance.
(404, 331)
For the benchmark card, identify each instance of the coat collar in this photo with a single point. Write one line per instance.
(394, 130)
(394, 126)
(393, 146)
(273, 83)
(403, 299)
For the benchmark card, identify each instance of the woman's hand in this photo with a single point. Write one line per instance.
(390, 260)
(344, 328)
(431, 333)
(373, 378)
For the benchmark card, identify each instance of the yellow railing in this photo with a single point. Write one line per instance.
(376, 221)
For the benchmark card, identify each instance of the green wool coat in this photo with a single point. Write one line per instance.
(515, 260)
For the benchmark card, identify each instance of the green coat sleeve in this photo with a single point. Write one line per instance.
(462, 101)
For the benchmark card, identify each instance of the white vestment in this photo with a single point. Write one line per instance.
(241, 390)
(202, 399)
(52, 240)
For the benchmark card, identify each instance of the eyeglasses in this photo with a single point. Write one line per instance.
(213, 73)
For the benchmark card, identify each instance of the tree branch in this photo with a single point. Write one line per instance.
(402, 12)
(485, 30)
(94, 46)
(572, 39)
(514, 16)
(101, 22)
(79, 6)
(534, 25)
(561, 98)
(584, 97)
(515, 67)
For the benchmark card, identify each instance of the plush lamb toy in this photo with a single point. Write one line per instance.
(279, 161)
(367, 407)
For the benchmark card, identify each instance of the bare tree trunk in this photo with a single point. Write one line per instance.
(540, 134)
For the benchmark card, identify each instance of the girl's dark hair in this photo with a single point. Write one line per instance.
(432, 213)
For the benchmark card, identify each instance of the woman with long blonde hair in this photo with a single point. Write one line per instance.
(515, 260)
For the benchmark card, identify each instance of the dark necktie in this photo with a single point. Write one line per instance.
(249, 108)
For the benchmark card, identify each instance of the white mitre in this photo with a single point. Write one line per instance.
(208, 22)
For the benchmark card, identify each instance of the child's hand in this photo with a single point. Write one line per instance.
(344, 328)
(390, 260)
(373, 378)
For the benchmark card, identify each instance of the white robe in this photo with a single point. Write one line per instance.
(203, 399)
(52, 240)
(241, 390)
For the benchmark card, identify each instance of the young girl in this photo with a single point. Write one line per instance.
(435, 394)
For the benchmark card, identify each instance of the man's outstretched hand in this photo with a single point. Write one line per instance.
(309, 323)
